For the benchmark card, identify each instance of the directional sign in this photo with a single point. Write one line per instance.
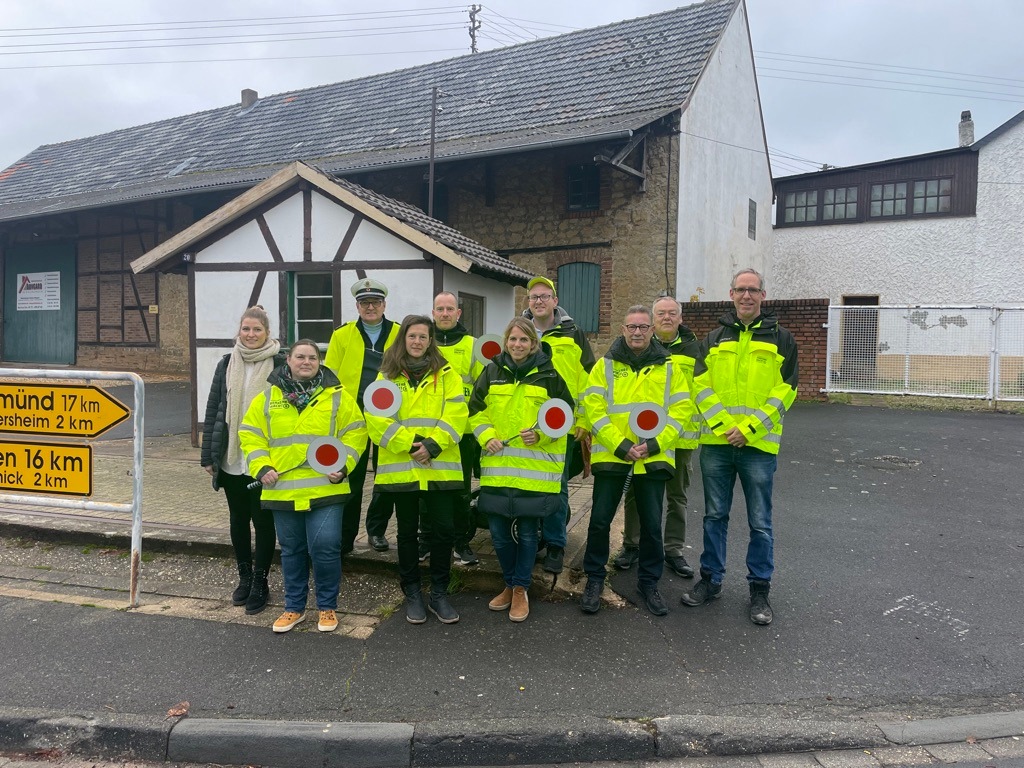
(68, 410)
(54, 468)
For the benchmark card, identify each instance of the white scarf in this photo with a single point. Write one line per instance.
(242, 389)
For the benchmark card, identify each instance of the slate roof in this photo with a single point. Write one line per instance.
(572, 88)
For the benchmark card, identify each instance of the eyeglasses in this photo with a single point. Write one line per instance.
(638, 328)
(369, 303)
(749, 291)
(541, 297)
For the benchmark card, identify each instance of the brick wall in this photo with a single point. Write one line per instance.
(804, 318)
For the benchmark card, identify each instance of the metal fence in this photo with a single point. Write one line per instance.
(936, 351)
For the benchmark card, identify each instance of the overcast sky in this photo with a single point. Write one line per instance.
(137, 61)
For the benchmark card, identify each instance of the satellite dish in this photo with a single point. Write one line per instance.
(382, 398)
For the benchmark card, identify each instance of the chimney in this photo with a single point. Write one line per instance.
(249, 97)
(966, 129)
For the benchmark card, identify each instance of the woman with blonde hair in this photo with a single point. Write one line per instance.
(239, 377)
(520, 468)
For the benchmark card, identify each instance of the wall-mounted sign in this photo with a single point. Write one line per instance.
(38, 291)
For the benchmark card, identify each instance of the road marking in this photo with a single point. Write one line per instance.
(932, 611)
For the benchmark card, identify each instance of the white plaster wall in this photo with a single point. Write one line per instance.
(329, 224)
(222, 297)
(245, 244)
(716, 180)
(499, 298)
(285, 223)
(963, 260)
(371, 243)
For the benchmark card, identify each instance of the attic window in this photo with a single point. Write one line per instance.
(583, 187)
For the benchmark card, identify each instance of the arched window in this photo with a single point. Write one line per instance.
(579, 293)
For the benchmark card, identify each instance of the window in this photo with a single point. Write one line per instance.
(889, 199)
(583, 188)
(933, 196)
(839, 203)
(801, 206)
(472, 313)
(752, 220)
(312, 307)
(580, 293)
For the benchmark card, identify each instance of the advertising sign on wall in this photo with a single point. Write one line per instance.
(38, 291)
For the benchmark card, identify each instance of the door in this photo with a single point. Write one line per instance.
(39, 304)
(860, 340)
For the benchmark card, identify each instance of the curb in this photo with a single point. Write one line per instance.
(296, 744)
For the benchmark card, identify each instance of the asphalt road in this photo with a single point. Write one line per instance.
(899, 551)
(167, 409)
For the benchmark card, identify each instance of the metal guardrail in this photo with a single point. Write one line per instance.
(974, 351)
(138, 434)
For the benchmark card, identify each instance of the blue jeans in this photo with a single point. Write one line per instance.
(554, 525)
(314, 535)
(720, 465)
(649, 493)
(515, 544)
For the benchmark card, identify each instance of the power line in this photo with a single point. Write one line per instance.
(513, 23)
(966, 91)
(884, 88)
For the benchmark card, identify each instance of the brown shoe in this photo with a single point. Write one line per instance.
(502, 601)
(520, 604)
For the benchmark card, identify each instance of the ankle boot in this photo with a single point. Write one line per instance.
(259, 593)
(440, 607)
(520, 605)
(241, 593)
(415, 610)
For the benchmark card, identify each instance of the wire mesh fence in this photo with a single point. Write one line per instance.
(938, 351)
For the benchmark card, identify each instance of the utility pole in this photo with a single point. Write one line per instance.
(474, 25)
(430, 172)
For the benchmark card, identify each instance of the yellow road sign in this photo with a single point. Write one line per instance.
(69, 411)
(54, 468)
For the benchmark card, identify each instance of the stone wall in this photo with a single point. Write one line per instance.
(516, 205)
(806, 319)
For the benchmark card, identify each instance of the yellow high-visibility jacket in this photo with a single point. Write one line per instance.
(457, 347)
(570, 354)
(434, 413)
(274, 435)
(353, 360)
(617, 384)
(507, 399)
(685, 350)
(747, 378)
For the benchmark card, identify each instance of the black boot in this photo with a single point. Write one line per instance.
(259, 593)
(440, 607)
(760, 608)
(241, 593)
(415, 610)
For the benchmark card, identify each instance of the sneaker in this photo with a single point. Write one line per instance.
(703, 593)
(542, 548)
(678, 565)
(501, 602)
(760, 609)
(424, 550)
(287, 620)
(591, 600)
(553, 561)
(652, 598)
(380, 543)
(520, 604)
(626, 558)
(440, 607)
(415, 610)
(464, 556)
(328, 621)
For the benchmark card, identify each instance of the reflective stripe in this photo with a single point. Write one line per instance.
(777, 404)
(528, 474)
(714, 410)
(259, 453)
(600, 424)
(678, 397)
(595, 390)
(335, 405)
(621, 408)
(250, 428)
(668, 382)
(773, 437)
(766, 420)
(481, 429)
(703, 395)
(446, 427)
(409, 466)
(418, 422)
(596, 447)
(689, 435)
(537, 455)
(306, 482)
(266, 409)
(352, 425)
(283, 442)
(389, 434)
(609, 377)
(456, 399)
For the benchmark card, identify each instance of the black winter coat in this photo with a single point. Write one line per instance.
(215, 425)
